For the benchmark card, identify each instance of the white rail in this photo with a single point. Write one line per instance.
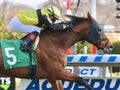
(93, 60)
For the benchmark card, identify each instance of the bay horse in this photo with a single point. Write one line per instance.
(51, 52)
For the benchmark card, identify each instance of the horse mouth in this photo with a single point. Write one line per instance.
(105, 47)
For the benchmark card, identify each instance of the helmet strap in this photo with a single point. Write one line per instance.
(48, 18)
(54, 19)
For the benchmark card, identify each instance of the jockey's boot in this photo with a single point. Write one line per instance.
(26, 44)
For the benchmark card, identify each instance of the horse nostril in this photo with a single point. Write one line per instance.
(111, 46)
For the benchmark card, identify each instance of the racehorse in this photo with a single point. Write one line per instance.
(51, 51)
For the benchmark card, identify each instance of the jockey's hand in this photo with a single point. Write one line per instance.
(60, 26)
(67, 25)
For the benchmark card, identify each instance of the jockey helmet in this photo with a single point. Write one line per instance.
(54, 11)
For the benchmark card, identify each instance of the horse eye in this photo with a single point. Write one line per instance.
(99, 31)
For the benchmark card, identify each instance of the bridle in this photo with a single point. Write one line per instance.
(94, 37)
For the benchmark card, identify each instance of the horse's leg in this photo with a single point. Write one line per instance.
(56, 84)
(67, 76)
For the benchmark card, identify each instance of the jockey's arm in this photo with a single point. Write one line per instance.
(57, 26)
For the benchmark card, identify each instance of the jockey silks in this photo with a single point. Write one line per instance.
(31, 17)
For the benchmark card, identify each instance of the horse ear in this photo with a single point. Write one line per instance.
(89, 15)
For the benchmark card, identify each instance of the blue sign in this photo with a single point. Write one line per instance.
(89, 71)
(97, 84)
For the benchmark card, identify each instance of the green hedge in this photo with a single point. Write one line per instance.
(116, 49)
(80, 47)
(6, 32)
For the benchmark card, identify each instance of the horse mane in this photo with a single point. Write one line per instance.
(50, 30)
(77, 20)
(74, 19)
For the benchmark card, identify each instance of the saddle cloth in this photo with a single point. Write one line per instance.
(13, 57)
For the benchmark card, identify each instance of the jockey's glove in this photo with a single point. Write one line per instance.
(67, 25)
(60, 26)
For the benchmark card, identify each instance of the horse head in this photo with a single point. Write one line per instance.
(90, 30)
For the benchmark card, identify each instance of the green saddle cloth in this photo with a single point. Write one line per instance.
(13, 57)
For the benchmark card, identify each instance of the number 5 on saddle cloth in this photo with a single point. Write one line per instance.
(13, 57)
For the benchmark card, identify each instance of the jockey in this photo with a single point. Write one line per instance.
(32, 22)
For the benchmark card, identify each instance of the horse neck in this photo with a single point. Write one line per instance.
(64, 39)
